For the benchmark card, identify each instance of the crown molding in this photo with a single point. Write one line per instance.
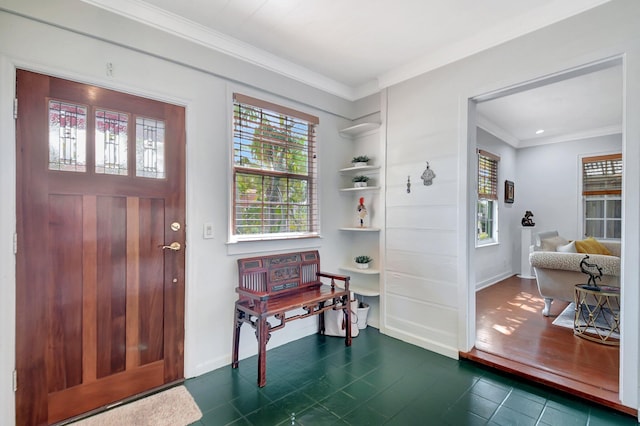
(487, 125)
(196, 33)
(587, 134)
(490, 127)
(147, 14)
(494, 36)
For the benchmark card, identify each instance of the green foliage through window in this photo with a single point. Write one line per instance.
(274, 170)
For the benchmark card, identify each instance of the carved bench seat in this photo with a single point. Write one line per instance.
(273, 286)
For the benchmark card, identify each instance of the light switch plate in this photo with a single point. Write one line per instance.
(207, 231)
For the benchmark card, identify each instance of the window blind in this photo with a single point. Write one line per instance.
(275, 170)
(487, 175)
(602, 175)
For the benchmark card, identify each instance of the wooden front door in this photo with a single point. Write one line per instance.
(100, 296)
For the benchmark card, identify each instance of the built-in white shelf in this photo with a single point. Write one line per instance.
(361, 289)
(368, 229)
(368, 271)
(365, 188)
(358, 169)
(359, 129)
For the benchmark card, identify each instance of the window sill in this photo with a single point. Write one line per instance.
(266, 244)
(491, 244)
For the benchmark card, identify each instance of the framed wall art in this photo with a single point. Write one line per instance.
(509, 192)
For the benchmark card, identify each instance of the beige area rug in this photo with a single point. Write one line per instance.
(173, 407)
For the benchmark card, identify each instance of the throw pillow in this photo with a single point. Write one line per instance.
(551, 244)
(591, 246)
(568, 248)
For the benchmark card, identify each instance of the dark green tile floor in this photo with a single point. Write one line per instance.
(380, 381)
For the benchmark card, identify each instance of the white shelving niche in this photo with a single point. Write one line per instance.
(364, 139)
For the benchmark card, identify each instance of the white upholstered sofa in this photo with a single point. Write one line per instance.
(558, 272)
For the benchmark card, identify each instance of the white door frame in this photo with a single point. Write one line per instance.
(467, 198)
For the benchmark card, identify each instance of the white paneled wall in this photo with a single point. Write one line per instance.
(421, 235)
(430, 257)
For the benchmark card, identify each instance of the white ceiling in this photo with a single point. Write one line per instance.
(354, 48)
(587, 105)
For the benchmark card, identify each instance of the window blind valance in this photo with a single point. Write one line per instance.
(602, 175)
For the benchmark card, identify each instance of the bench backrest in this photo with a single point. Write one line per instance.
(279, 274)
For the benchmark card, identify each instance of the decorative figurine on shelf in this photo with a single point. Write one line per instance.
(593, 275)
(428, 175)
(362, 214)
(526, 220)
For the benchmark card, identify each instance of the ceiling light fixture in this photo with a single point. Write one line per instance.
(539, 132)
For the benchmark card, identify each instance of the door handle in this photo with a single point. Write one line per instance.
(175, 246)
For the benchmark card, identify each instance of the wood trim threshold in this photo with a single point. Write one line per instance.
(579, 389)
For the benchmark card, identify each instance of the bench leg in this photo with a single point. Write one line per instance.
(262, 333)
(236, 337)
(321, 319)
(347, 317)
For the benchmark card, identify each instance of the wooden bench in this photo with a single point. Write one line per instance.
(271, 286)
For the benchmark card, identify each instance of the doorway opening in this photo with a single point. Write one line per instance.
(508, 308)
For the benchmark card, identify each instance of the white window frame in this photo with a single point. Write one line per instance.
(605, 196)
(487, 194)
(605, 218)
(493, 238)
(311, 176)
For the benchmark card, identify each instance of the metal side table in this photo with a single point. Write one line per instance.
(597, 315)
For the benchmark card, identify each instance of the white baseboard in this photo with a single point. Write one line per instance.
(493, 280)
(423, 343)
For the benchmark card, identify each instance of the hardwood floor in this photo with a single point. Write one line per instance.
(513, 335)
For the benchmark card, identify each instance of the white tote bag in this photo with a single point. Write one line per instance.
(334, 322)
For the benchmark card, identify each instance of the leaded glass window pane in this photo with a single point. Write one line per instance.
(67, 136)
(150, 160)
(111, 142)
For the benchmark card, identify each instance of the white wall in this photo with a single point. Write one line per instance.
(430, 267)
(549, 177)
(187, 76)
(427, 297)
(496, 262)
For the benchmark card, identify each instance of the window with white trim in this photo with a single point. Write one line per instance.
(487, 206)
(274, 171)
(602, 196)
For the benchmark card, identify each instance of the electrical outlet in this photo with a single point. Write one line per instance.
(207, 232)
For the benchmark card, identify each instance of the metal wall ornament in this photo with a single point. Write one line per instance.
(427, 176)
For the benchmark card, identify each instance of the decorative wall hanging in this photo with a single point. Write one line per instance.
(509, 191)
(408, 184)
(428, 175)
